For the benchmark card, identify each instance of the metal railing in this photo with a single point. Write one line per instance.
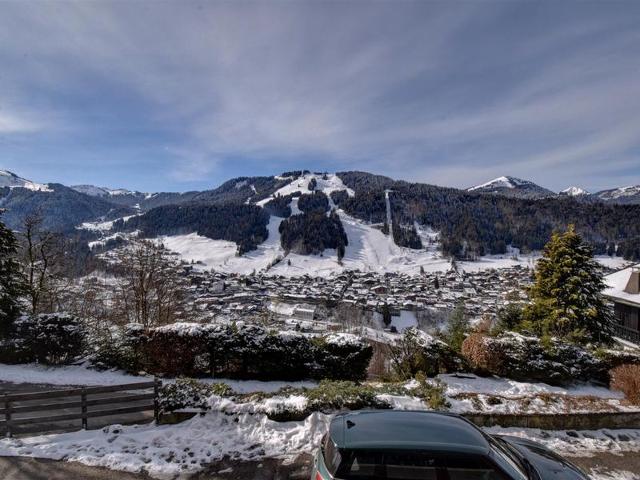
(627, 333)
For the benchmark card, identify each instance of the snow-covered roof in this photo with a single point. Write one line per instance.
(616, 284)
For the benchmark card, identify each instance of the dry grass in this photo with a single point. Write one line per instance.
(626, 378)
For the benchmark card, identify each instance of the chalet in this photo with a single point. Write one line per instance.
(623, 289)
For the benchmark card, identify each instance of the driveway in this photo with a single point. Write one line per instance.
(24, 468)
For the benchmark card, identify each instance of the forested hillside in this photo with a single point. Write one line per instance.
(313, 232)
(61, 208)
(243, 224)
(479, 224)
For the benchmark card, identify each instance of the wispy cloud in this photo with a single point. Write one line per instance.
(443, 92)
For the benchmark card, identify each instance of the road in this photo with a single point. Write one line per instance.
(22, 468)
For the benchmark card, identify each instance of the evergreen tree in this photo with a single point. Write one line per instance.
(566, 295)
(11, 285)
(458, 327)
(386, 314)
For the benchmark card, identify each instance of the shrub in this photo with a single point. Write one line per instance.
(418, 351)
(433, 394)
(626, 378)
(51, 339)
(119, 348)
(244, 351)
(524, 358)
(332, 395)
(189, 393)
(342, 356)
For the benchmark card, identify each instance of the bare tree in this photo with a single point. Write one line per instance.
(42, 255)
(150, 288)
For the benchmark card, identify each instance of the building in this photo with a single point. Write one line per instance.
(623, 289)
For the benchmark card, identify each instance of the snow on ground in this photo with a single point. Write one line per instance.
(469, 383)
(167, 451)
(82, 375)
(327, 184)
(102, 226)
(68, 375)
(601, 474)
(578, 443)
(221, 254)
(171, 450)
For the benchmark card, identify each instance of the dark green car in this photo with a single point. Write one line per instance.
(418, 445)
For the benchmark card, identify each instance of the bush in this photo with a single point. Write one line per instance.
(331, 395)
(342, 356)
(626, 378)
(431, 393)
(189, 393)
(50, 339)
(119, 348)
(523, 358)
(245, 351)
(418, 351)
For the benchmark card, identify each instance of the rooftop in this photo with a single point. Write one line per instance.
(618, 286)
(417, 430)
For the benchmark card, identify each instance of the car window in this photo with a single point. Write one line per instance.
(331, 454)
(377, 465)
(506, 459)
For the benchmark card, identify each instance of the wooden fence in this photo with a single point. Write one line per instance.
(20, 403)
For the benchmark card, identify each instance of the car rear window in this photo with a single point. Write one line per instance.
(377, 465)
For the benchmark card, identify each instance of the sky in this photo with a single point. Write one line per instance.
(175, 96)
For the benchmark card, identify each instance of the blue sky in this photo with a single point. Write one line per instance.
(161, 95)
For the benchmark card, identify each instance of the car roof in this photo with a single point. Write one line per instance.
(407, 430)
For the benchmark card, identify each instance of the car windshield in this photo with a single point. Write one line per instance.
(508, 460)
(407, 465)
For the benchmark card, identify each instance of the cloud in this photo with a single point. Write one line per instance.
(435, 91)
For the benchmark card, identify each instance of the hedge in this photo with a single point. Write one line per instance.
(241, 351)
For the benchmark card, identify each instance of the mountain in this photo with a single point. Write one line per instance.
(11, 180)
(272, 217)
(620, 195)
(512, 187)
(574, 192)
(61, 208)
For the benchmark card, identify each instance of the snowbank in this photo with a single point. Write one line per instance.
(68, 375)
(168, 451)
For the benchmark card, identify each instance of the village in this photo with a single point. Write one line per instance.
(315, 304)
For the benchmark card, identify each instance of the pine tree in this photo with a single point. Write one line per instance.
(11, 285)
(458, 327)
(566, 295)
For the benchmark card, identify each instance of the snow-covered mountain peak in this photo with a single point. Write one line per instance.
(94, 191)
(501, 182)
(11, 180)
(574, 192)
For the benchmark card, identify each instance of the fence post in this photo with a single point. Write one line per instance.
(156, 405)
(83, 399)
(7, 415)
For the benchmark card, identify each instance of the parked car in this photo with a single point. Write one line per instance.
(413, 445)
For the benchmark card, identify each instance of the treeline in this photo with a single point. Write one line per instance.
(312, 233)
(279, 206)
(246, 225)
(311, 202)
(406, 236)
(474, 224)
